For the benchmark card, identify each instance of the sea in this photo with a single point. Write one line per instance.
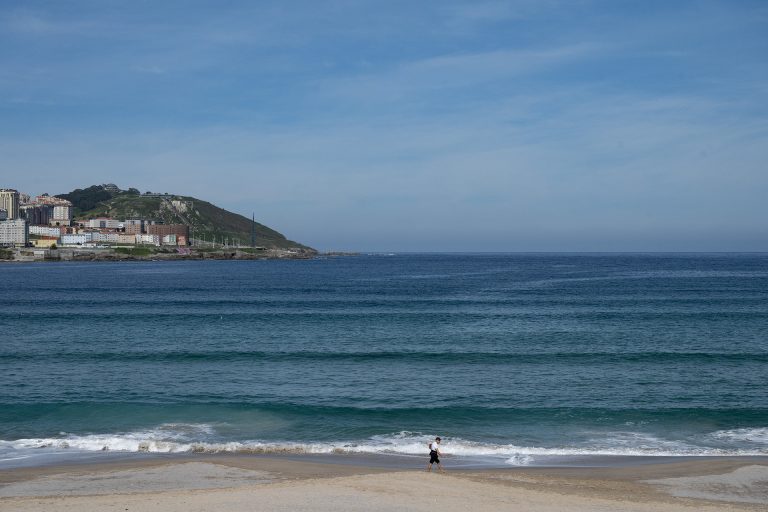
(513, 359)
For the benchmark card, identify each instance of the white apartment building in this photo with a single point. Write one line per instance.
(9, 201)
(148, 239)
(14, 233)
(104, 237)
(78, 239)
(44, 231)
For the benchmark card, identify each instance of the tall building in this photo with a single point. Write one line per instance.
(36, 214)
(9, 200)
(62, 215)
(61, 209)
(3, 214)
(14, 233)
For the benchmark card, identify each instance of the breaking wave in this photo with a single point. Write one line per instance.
(202, 438)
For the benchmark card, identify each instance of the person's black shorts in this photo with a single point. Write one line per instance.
(433, 457)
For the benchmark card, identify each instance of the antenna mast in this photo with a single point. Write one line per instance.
(253, 230)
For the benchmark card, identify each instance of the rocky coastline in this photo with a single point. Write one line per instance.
(109, 254)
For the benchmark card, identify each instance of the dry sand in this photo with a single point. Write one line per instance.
(262, 483)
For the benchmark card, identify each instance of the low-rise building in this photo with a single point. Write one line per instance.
(75, 239)
(45, 231)
(50, 200)
(103, 223)
(46, 242)
(148, 239)
(168, 229)
(14, 233)
(126, 239)
(104, 237)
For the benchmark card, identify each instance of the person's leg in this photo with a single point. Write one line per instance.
(440, 468)
(429, 466)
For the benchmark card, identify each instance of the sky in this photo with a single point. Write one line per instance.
(522, 125)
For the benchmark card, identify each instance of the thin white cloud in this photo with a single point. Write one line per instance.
(618, 154)
(456, 71)
(470, 15)
(28, 23)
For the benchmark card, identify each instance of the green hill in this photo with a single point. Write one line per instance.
(207, 221)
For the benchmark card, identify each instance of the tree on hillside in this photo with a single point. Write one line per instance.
(87, 199)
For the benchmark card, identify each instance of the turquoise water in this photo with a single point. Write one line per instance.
(514, 359)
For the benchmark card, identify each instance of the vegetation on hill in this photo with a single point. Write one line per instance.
(85, 199)
(208, 223)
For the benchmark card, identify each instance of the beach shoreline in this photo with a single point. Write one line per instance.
(235, 482)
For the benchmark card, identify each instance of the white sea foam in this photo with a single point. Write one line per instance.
(751, 435)
(643, 443)
(519, 460)
(201, 438)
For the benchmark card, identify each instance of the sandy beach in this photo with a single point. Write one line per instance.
(240, 483)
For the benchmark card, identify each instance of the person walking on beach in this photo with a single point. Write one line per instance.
(434, 455)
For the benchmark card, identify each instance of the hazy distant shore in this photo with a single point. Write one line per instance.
(243, 482)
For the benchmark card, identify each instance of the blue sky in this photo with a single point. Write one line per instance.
(406, 126)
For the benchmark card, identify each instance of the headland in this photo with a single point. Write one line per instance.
(106, 223)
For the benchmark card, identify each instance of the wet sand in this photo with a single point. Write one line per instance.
(236, 483)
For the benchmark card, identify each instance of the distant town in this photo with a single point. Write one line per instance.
(47, 222)
(106, 223)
